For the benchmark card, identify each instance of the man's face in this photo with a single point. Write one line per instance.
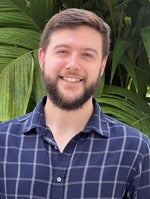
(71, 66)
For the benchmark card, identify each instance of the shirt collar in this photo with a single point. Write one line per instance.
(35, 119)
(97, 123)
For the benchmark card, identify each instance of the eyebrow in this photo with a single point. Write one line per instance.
(91, 49)
(61, 46)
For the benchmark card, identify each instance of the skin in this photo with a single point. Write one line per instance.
(73, 59)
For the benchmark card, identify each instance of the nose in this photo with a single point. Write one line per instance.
(73, 62)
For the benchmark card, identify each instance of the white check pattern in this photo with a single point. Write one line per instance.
(107, 160)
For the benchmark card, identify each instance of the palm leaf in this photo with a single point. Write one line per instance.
(118, 52)
(127, 107)
(11, 15)
(8, 54)
(15, 92)
(38, 90)
(21, 24)
(19, 37)
(145, 33)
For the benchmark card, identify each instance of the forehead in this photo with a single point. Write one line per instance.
(82, 35)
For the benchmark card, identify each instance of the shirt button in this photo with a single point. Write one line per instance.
(59, 179)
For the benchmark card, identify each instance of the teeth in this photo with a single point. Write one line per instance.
(71, 79)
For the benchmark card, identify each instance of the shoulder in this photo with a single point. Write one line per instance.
(117, 131)
(15, 125)
(25, 122)
(131, 138)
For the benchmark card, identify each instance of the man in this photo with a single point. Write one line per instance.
(67, 148)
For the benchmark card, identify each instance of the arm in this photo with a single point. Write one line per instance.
(140, 183)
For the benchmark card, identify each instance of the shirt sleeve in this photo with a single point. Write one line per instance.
(140, 184)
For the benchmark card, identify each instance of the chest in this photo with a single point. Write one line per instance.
(85, 169)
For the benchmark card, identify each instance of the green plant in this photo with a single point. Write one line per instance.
(129, 62)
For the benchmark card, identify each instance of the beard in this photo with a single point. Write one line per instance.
(59, 100)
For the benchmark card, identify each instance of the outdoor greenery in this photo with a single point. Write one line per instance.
(124, 89)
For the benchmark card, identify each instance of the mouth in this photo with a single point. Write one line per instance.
(71, 79)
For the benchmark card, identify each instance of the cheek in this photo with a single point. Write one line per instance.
(48, 62)
(52, 64)
(94, 72)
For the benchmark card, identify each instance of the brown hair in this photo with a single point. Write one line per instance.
(73, 18)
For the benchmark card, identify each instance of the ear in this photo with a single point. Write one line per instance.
(103, 65)
(41, 57)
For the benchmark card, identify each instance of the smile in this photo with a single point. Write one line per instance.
(71, 79)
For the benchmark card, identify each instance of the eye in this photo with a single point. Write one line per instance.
(62, 52)
(88, 55)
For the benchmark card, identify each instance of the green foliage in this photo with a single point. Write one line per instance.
(126, 106)
(124, 87)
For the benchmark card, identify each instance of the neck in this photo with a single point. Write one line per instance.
(66, 124)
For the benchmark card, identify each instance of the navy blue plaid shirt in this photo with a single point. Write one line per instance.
(107, 160)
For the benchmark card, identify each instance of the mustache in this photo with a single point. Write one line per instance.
(72, 73)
